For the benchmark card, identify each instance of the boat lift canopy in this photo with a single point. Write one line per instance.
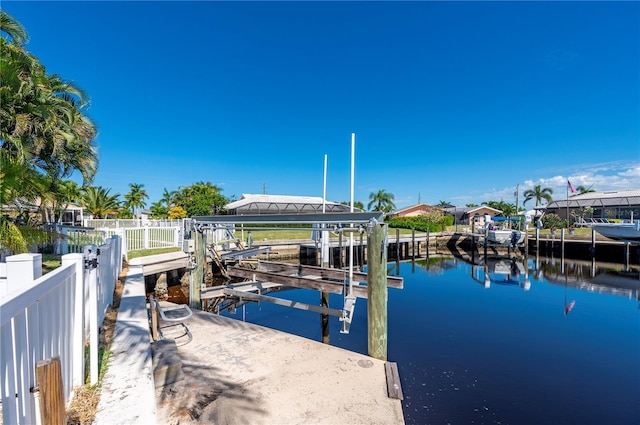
(328, 219)
(505, 219)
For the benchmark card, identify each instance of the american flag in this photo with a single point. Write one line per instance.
(570, 186)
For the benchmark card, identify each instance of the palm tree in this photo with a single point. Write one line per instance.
(43, 130)
(99, 203)
(13, 29)
(41, 117)
(135, 198)
(57, 196)
(382, 200)
(539, 194)
(169, 197)
(18, 184)
(159, 210)
(582, 189)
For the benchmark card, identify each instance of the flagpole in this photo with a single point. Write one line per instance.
(567, 202)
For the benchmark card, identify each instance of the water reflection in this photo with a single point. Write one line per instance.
(602, 278)
(501, 271)
(591, 276)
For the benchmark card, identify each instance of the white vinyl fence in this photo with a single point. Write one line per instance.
(75, 238)
(116, 223)
(44, 316)
(149, 237)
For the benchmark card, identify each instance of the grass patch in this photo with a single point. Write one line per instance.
(50, 262)
(152, 251)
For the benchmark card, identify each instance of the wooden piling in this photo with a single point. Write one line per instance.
(413, 244)
(427, 242)
(324, 318)
(377, 292)
(397, 244)
(486, 242)
(361, 251)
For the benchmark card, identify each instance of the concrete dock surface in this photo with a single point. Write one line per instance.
(241, 373)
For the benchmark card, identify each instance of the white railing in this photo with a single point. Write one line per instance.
(74, 238)
(134, 238)
(149, 237)
(124, 223)
(44, 316)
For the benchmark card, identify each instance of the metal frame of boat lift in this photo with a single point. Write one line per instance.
(335, 222)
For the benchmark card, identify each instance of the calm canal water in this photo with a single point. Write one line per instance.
(553, 343)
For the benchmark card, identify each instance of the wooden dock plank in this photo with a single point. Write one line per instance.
(325, 273)
(394, 389)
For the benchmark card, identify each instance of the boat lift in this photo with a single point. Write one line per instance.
(271, 276)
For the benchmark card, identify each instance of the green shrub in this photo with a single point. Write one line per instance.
(553, 221)
(422, 223)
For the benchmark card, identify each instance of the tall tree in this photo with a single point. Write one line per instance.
(136, 198)
(169, 197)
(159, 210)
(201, 199)
(356, 204)
(43, 127)
(57, 196)
(42, 119)
(582, 189)
(382, 200)
(539, 194)
(99, 203)
(507, 209)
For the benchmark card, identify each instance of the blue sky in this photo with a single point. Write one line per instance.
(449, 101)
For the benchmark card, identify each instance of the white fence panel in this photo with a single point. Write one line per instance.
(75, 238)
(162, 237)
(43, 318)
(36, 323)
(149, 237)
(122, 223)
(134, 238)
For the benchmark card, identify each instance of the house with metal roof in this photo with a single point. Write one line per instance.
(617, 204)
(415, 210)
(283, 204)
(472, 216)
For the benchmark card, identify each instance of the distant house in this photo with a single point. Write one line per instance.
(414, 211)
(72, 215)
(282, 204)
(471, 216)
(616, 204)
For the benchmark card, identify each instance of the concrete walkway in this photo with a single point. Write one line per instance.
(127, 396)
(240, 373)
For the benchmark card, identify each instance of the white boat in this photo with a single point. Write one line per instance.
(626, 232)
(500, 233)
(505, 237)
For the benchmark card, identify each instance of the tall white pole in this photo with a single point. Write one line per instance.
(353, 150)
(324, 250)
(324, 185)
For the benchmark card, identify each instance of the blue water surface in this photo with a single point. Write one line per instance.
(508, 350)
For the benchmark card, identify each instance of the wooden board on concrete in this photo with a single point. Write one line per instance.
(394, 389)
(49, 374)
